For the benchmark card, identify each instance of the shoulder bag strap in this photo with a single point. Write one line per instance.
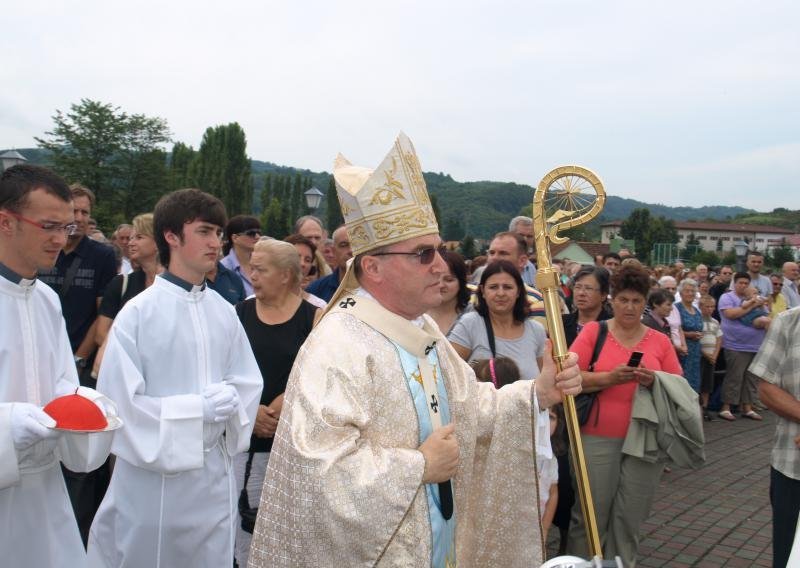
(490, 334)
(124, 287)
(69, 276)
(247, 469)
(598, 345)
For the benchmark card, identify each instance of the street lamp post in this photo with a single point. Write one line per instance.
(313, 198)
(741, 254)
(11, 158)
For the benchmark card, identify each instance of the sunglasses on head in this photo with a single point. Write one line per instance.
(425, 255)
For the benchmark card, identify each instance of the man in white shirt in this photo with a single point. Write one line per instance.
(37, 525)
(791, 274)
(180, 368)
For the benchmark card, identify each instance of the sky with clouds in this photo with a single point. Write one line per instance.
(681, 103)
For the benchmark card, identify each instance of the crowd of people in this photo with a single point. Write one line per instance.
(259, 423)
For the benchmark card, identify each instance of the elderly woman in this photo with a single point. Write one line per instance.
(589, 295)
(277, 322)
(692, 326)
(500, 324)
(143, 252)
(455, 294)
(622, 485)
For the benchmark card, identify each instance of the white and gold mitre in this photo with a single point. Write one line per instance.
(387, 205)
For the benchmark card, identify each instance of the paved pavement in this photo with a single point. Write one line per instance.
(719, 514)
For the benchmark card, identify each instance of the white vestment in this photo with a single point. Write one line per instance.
(344, 480)
(37, 525)
(172, 499)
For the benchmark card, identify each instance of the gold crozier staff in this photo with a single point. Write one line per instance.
(570, 196)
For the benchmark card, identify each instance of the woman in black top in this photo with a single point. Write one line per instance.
(143, 252)
(277, 322)
(589, 294)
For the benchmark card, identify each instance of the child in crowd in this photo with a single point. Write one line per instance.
(710, 344)
(757, 317)
(502, 371)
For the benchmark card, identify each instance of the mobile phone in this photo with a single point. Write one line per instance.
(636, 359)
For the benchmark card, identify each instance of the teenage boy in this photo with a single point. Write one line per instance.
(187, 386)
(37, 525)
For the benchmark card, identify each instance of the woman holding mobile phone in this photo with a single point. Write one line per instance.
(622, 485)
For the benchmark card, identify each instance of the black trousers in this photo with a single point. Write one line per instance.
(86, 492)
(784, 495)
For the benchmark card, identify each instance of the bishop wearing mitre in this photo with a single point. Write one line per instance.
(388, 451)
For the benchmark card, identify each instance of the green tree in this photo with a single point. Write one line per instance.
(117, 155)
(646, 231)
(298, 199)
(334, 217)
(467, 247)
(271, 222)
(705, 257)
(782, 254)
(223, 168)
(453, 229)
(437, 213)
(180, 165)
(267, 192)
(637, 228)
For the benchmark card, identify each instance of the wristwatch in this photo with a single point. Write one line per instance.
(80, 362)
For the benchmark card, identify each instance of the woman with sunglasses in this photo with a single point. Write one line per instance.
(500, 324)
(241, 235)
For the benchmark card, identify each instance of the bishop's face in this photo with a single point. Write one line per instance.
(412, 287)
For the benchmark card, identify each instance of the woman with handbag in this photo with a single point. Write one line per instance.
(500, 324)
(622, 485)
(589, 300)
(277, 322)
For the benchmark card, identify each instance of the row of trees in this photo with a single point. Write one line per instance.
(121, 157)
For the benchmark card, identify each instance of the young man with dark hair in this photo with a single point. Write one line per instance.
(180, 368)
(37, 525)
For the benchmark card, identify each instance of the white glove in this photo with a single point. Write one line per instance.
(30, 424)
(220, 401)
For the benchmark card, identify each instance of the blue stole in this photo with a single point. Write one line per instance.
(443, 550)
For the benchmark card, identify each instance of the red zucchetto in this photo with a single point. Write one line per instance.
(74, 412)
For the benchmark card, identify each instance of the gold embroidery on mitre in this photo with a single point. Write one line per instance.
(345, 208)
(392, 189)
(415, 175)
(401, 224)
(359, 238)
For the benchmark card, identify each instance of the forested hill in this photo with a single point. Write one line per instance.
(482, 208)
(485, 207)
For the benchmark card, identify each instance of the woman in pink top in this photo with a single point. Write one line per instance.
(622, 486)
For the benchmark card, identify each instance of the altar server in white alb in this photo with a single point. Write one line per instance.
(388, 451)
(183, 375)
(37, 525)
